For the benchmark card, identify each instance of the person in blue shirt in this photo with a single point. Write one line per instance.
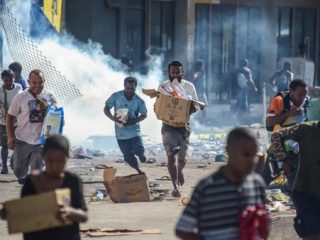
(127, 126)
(16, 68)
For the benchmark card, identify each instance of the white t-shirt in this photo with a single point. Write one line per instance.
(17, 88)
(188, 87)
(29, 122)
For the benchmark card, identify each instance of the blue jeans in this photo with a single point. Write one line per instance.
(307, 221)
(130, 148)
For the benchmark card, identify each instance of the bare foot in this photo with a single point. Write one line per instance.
(176, 193)
(142, 158)
(180, 178)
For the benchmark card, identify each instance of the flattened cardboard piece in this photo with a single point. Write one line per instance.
(132, 188)
(109, 174)
(37, 212)
(150, 92)
(100, 232)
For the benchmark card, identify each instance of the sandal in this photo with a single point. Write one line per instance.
(164, 178)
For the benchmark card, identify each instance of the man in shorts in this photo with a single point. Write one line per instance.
(176, 139)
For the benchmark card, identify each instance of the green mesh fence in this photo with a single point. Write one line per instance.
(24, 50)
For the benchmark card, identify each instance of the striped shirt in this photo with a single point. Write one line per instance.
(216, 203)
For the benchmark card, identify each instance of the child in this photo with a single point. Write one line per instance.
(219, 206)
(55, 154)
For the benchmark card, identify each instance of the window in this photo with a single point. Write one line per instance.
(135, 35)
(224, 35)
(162, 28)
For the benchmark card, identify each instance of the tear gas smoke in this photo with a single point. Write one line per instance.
(96, 75)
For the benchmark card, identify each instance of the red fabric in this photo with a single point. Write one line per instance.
(254, 223)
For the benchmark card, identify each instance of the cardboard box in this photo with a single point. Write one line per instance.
(132, 188)
(37, 212)
(171, 110)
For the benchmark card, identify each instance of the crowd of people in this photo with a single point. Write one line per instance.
(229, 204)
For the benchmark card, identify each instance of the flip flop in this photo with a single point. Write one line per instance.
(163, 164)
(150, 161)
(153, 184)
(101, 166)
(164, 178)
(202, 166)
(119, 161)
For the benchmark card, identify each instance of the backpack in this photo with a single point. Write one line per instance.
(286, 108)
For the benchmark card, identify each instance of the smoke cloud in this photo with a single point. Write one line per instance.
(97, 75)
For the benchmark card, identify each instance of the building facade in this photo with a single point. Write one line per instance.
(222, 32)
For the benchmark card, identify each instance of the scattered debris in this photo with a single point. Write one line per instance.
(158, 194)
(202, 166)
(98, 195)
(120, 161)
(206, 156)
(153, 184)
(151, 160)
(164, 178)
(101, 232)
(221, 158)
(256, 125)
(278, 182)
(162, 164)
(185, 201)
(276, 195)
(78, 153)
(277, 206)
(101, 166)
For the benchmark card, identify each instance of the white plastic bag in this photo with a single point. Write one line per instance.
(123, 114)
(242, 80)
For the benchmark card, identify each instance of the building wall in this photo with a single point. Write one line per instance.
(234, 29)
(106, 20)
(78, 19)
(221, 33)
(109, 23)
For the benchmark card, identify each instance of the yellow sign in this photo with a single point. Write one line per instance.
(53, 11)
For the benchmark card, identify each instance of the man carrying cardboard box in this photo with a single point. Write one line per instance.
(129, 110)
(176, 139)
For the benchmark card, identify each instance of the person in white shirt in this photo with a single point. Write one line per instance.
(176, 139)
(8, 90)
(29, 108)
